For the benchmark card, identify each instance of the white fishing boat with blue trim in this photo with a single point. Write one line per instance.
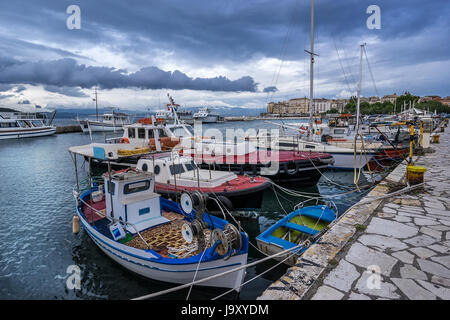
(301, 225)
(158, 238)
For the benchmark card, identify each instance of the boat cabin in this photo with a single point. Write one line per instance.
(25, 123)
(143, 132)
(130, 197)
(183, 171)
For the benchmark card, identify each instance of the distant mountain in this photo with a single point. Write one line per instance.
(7, 110)
(71, 113)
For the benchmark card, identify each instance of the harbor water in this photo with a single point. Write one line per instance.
(38, 245)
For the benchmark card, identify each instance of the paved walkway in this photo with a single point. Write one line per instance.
(404, 252)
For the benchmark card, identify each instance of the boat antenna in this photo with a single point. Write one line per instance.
(96, 104)
(173, 106)
(359, 88)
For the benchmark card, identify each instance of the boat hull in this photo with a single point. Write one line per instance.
(95, 126)
(347, 161)
(249, 198)
(294, 228)
(303, 168)
(271, 249)
(27, 133)
(207, 119)
(143, 263)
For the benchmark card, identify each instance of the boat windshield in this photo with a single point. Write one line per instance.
(162, 133)
(8, 124)
(24, 124)
(176, 169)
(190, 166)
(37, 123)
(184, 131)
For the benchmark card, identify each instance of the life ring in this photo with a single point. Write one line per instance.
(124, 140)
(145, 121)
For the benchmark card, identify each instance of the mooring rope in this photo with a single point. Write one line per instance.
(180, 287)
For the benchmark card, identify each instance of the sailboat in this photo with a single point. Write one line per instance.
(346, 157)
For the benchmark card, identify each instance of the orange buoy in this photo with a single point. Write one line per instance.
(124, 140)
(145, 121)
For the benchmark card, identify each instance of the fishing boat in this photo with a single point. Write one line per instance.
(17, 125)
(300, 167)
(240, 157)
(158, 238)
(206, 116)
(175, 174)
(300, 225)
(113, 121)
(345, 158)
(183, 115)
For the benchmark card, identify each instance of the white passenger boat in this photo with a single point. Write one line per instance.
(183, 115)
(205, 116)
(17, 125)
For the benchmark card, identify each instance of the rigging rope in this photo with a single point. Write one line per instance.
(370, 70)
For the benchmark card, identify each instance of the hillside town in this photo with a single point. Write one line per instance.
(300, 106)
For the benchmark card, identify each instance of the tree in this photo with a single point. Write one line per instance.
(405, 100)
(433, 105)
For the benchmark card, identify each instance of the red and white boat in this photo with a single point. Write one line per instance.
(302, 167)
(175, 174)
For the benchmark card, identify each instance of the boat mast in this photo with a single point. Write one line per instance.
(311, 73)
(96, 105)
(359, 88)
(172, 106)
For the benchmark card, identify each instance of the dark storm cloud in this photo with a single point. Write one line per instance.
(211, 32)
(7, 87)
(270, 89)
(68, 73)
(215, 30)
(67, 91)
(5, 96)
(20, 89)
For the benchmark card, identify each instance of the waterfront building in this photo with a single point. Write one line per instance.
(390, 97)
(338, 104)
(374, 99)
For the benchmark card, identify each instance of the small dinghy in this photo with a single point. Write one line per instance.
(298, 226)
(158, 238)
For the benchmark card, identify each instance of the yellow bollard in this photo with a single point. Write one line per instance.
(415, 174)
(436, 138)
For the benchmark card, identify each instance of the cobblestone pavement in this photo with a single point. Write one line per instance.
(404, 252)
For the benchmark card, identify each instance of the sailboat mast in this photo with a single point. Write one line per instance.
(311, 73)
(359, 88)
(96, 105)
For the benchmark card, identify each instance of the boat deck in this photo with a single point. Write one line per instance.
(165, 239)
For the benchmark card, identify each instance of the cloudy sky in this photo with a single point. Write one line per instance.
(216, 52)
